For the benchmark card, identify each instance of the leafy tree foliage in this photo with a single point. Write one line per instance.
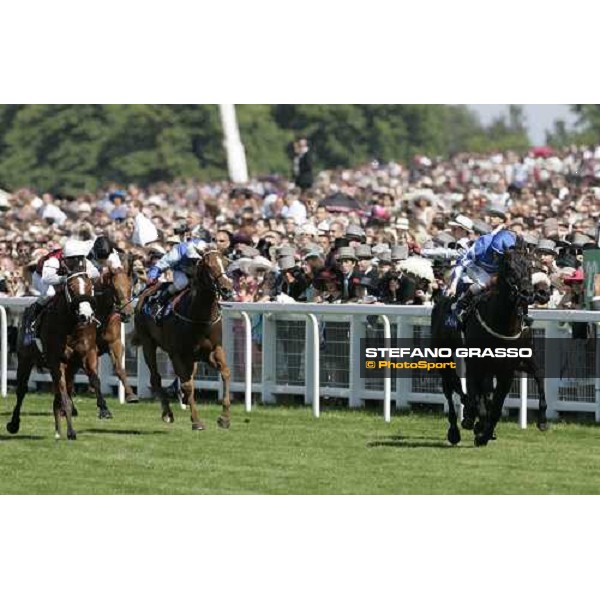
(69, 148)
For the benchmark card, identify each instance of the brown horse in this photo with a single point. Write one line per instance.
(113, 306)
(191, 332)
(67, 326)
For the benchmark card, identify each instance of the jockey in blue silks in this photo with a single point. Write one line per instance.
(474, 270)
(182, 259)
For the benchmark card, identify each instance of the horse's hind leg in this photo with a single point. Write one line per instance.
(219, 361)
(116, 355)
(23, 372)
(149, 348)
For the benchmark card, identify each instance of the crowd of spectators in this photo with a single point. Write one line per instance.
(388, 232)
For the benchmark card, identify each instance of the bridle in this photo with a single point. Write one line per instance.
(214, 283)
(119, 304)
(517, 296)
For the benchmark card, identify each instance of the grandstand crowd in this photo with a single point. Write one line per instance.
(379, 232)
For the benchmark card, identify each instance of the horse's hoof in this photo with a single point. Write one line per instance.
(168, 418)
(224, 422)
(57, 435)
(494, 437)
(12, 427)
(198, 426)
(104, 413)
(132, 399)
(467, 423)
(454, 436)
(71, 435)
(543, 426)
(480, 440)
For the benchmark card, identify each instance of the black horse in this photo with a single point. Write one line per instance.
(498, 320)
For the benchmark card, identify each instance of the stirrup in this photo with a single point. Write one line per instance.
(39, 345)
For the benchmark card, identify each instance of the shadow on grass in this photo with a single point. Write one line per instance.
(17, 437)
(122, 431)
(417, 441)
(25, 413)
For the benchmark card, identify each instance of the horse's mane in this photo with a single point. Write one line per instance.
(516, 262)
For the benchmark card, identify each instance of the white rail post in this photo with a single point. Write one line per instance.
(523, 411)
(316, 360)
(248, 365)
(4, 352)
(236, 156)
(121, 386)
(387, 382)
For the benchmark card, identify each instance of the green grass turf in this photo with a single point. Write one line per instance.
(286, 451)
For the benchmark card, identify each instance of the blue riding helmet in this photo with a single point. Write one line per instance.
(503, 241)
(489, 250)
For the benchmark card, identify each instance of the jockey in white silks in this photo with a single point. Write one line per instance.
(53, 278)
(473, 272)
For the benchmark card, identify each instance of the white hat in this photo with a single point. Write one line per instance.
(323, 228)
(260, 262)
(156, 249)
(464, 222)
(84, 207)
(77, 248)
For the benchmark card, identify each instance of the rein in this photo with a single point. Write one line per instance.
(187, 320)
(214, 280)
(495, 333)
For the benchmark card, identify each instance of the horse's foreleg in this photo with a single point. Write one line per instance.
(149, 349)
(448, 387)
(23, 372)
(116, 355)
(67, 405)
(90, 364)
(494, 412)
(186, 373)
(538, 376)
(220, 361)
(72, 366)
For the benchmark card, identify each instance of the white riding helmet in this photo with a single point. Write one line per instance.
(74, 248)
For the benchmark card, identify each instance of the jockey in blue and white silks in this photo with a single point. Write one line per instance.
(474, 270)
(181, 259)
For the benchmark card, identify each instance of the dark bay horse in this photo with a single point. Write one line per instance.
(67, 326)
(498, 321)
(113, 306)
(191, 332)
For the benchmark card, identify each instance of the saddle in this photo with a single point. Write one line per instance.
(157, 304)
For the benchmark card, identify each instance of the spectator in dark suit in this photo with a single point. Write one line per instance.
(302, 166)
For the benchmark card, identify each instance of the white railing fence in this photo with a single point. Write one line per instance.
(313, 350)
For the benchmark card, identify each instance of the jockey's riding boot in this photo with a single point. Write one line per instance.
(161, 302)
(463, 306)
(527, 321)
(31, 322)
